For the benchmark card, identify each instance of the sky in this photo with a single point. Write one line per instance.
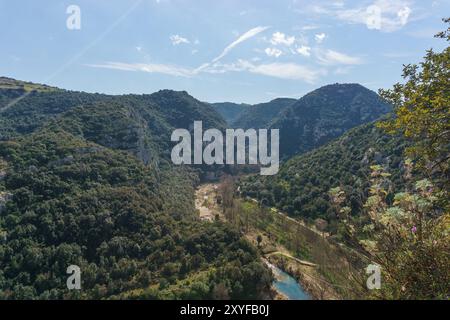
(223, 50)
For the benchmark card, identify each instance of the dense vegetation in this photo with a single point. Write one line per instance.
(261, 115)
(409, 238)
(75, 202)
(301, 187)
(230, 111)
(85, 180)
(383, 187)
(324, 114)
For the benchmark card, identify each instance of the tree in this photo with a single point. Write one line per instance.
(408, 240)
(422, 112)
(259, 240)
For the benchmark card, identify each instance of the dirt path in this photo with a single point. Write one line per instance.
(303, 262)
(206, 202)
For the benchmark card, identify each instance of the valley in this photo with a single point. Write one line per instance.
(274, 252)
(88, 179)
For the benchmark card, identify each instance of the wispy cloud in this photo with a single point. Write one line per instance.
(143, 67)
(247, 35)
(331, 57)
(289, 71)
(177, 39)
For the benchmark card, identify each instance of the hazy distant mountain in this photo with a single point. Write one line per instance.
(230, 111)
(261, 115)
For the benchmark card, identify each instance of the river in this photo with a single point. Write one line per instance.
(287, 285)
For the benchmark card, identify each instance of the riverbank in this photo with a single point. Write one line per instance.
(304, 272)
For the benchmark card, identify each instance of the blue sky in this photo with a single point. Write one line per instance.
(233, 50)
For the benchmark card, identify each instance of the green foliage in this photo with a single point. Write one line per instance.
(85, 179)
(230, 111)
(325, 114)
(128, 226)
(301, 188)
(422, 111)
(408, 239)
(261, 115)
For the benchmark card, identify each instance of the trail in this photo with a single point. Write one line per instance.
(303, 262)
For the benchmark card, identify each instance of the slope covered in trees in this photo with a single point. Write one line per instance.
(261, 115)
(302, 184)
(230, 111)
(324, 114)
(85, 179)
(126, 225)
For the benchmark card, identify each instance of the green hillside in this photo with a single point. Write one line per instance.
(261, 115)
(230, 111)
(302, 184)
(324, 114)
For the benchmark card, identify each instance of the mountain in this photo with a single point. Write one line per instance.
(141, 124)
(229, 111)
(302, 184)
(130, 228)
(26, 106)
(325, 114)
(86, 179)
(261, 115)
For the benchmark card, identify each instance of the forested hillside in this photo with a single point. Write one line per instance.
(85, 180)
(302, 185)
(74, 202)
(261, 115)
(324, 114)
(230, 111)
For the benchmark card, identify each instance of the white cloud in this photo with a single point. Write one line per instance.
(403, 14)
(320, 37)
(244, 37)
(289, 71)
(304, 51)
(281, 38)
(247, 35)
(177, 39)
(273, 52)
(149, 68)
(331, 57)
(139, 49)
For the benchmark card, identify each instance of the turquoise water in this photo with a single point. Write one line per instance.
(288, 286)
